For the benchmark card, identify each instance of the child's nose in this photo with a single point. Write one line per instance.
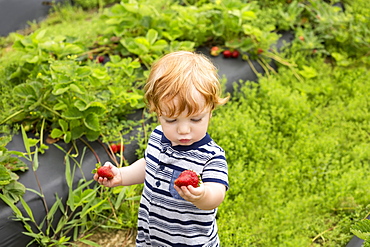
(183, 129)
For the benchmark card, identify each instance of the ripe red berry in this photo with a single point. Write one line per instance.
(301, 38)
(259, 50)
(119, 147)
(235, 54)
(188, 177)
(105, 172)
(101, 59)
(114, 148)
(227, 54)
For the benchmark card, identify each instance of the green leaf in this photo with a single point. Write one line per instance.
(143, 44)
(87, 210)
(27, 208)
(56, 133)
(67, 137)
(77, 132)
(82, 72)
(60, 88)
(88, 242)
(92, 122)
(71, 49)
(92, 135)
(72, 113)
(68, 175)
(28, 90)
(131, 7)
(76, 88)
(248, 15)
(63, 124)
(96, 108)
(32, 59)
(35, 191)
(308, 72)
(159, 45)
(40, 34)
(53, 209)
(25, 141)
(151, 36)
(361, 229)
(11, 205)
(35, 162)
(4, 175)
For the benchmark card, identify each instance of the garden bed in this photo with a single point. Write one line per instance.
(295, 140)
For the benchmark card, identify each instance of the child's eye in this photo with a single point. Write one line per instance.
(196, 119)
(170, 120)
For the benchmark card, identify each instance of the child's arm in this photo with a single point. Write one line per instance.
(207, 196)
(128, 175)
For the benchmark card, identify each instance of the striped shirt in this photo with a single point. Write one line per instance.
(165, 218)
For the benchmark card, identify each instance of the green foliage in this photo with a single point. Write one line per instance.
(296, 153)
(91, 4)
(297, 143)
(88, 205)
(9, 186)
(64, 92)
(362, 229)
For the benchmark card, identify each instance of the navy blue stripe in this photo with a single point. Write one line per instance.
(154, 159)
(215, 180)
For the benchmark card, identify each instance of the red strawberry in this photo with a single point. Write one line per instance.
(100, 59)
(119, 147)
(105, 172)
(259, 50)
(188, 177)
(114, 148)
(227, 54)
(235, 54)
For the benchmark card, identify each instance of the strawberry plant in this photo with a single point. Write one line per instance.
(86, 207)
(9, 164)
(297, 138)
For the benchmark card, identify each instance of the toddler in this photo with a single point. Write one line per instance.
(182, 89)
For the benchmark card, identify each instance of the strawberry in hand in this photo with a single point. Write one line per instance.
(188, 177)
(104, 172)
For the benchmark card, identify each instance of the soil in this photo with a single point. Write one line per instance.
(116, 238)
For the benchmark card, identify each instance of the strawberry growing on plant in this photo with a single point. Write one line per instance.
(100, 59)
(235, 54)
(114, 148)
(215, 51)
(117, 147)
(188, 177)
(227, 54)
(259, 51)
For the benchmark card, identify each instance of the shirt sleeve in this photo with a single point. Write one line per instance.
(216, 170)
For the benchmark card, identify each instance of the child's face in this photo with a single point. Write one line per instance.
(185, 130)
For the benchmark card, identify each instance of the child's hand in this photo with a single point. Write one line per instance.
(115, 181)
(190, 193)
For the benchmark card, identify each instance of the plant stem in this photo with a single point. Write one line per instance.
(42, 196)
(11, 116)
(91, 149)
(48, 108)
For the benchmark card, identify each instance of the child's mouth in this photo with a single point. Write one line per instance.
(184, 141)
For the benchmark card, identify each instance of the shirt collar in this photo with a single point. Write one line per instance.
(206, 139)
